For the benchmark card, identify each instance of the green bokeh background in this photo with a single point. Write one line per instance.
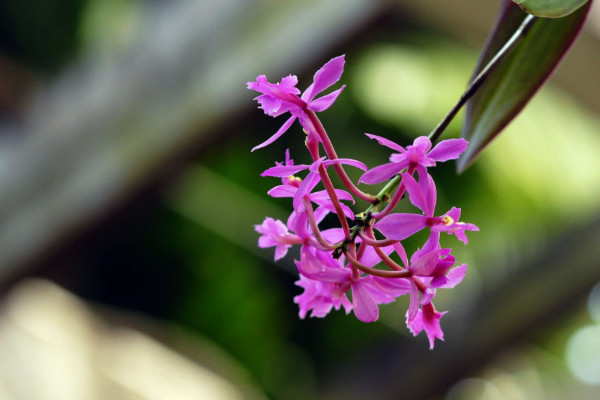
(182, 249)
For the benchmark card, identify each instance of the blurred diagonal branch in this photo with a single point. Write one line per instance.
(107, 125)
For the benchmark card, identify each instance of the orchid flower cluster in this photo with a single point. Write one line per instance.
(357, 258)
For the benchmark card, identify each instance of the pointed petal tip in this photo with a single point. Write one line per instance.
(326, 76)
(323, 103)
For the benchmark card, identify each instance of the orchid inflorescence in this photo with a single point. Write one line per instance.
(336, 261)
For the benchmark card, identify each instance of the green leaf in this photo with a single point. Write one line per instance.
(550, 8)
(521, 74)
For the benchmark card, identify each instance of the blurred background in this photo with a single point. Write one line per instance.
(128, 194)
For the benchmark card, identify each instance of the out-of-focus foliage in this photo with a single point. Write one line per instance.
(112, 25)
(407, 85)
(550, 8)
(510, 86)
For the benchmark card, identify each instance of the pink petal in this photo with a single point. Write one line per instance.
(323, 200)
(286, 125)
(365, 308)
(416, 324)
(455, 276)
(461, 234)
(415, 194)
(329, 74)
(321, 297)
(401, 226)
(346, 161)
(308, 264)
(307, 95)
(307, 124)
(382, 173)
(431, 324)
(269, 103)
(314, 167)
(333, 235)
(255, 85)
(438, 282)
(305, 188)
(334, 275)
(347, 211)
(413, 306)
(426, 264)
(428, 189)
(427, 296)
(422, 143)
(283, 171)
(284, 108)
(343, 195)
(311, 267)
(297, 223)
(448, 149)
(387, 143)
(266, 241)
(323, 103)
(283, 191)
(290, 82)
(320, 214)
(322, 196)
(379, 296)
(457, 228)
(288, 160)
(432, 243)
(370, 258)
(393, 286)
(401, 253)
(454, 213)
(427, 319)
(281, 251)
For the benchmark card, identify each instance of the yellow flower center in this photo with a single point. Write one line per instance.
(448, 220)
(294, 179)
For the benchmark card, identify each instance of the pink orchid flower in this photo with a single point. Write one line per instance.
(416, 155)
(300, 189)
(367, 291)
(423, 195)
(279, 98)
(427, 319)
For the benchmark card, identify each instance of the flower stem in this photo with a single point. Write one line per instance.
(377, 272)
(330, 151)
(397, 196)
(315, 227)
(334, 200)
(374, 242)
(384, 257)
(476, 83)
